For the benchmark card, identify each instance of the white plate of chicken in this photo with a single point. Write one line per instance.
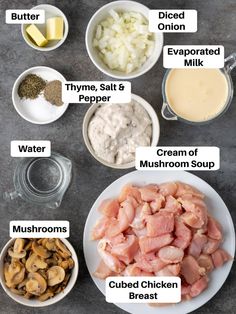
(167, 223)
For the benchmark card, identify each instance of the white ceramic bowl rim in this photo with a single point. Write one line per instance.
(59, 42)
(53, 300)
(20, 77)
(102, 67)
(155, 130)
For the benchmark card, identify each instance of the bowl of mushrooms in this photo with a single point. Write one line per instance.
(38, 272)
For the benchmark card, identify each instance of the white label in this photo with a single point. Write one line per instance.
(173, 21)
(39, 229)
(30, 148)
(96, 92)
(177, 158)
(143, 289)
(196, 56)
(25, 16)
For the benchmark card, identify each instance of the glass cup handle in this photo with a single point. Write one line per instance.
(166, 113)
(230, 62)
(9, 196)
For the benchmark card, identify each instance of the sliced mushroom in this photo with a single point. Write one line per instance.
(14, 274)
(17, 251)
(40, 250)
(17, 291)
(51, 261)
(66, 280)
(64, 264)
(36, 284)
(28, 245)
(16, 255)
(62, 249)
(28, 295)
(47, 295)
(56, 274)
(19, 245)
(51, 245)
(58, 258)
(42, 272)
(22, 284)
(34, 262)
(71, 263)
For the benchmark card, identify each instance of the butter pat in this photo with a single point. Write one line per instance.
(36, 35)
(54, 28)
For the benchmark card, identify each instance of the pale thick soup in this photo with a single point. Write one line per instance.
(196, 94)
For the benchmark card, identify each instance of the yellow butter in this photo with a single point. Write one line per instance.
(54, 28)
(36, 35)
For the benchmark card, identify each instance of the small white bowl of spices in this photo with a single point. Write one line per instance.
(112, 132)
(37, 95)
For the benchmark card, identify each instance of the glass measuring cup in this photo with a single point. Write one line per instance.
(169, 114)
(41, 180)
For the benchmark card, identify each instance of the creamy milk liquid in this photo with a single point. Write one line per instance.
(196, 94)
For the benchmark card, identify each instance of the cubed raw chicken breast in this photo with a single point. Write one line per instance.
(183, 234)
(129, 190)
(171, 254)
(197, 244)
(159, 224)
(153, 244)
(103, 271)
(219, 257)
(159, 230)
(190, 269)
(126, 250)
(199, 286)
(168, 188)
(109, 207)
(205, 261)
(214, 229)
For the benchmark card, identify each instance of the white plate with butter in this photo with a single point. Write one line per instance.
(39, 110)
(50, 13)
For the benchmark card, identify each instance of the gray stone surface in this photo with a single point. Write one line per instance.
(217, 24)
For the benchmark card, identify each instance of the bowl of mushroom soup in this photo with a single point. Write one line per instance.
(38, 272)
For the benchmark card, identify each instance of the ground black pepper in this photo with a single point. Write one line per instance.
(52, 93)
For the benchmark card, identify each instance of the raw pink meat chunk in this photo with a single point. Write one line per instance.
(109, 208)
(171, 254)
(150, 244)
(219, 257)
(190, 269)
(160, 223)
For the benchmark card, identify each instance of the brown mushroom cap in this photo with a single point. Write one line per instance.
(14, 273)
(47, 295)
(19, 245)
(56, 274)
(17, 255)
(34, 262)
(62, 249)
(36, 284)
(40, 250)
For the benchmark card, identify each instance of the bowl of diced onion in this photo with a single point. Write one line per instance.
(118, 40)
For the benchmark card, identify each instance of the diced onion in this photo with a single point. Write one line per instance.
(123, 41)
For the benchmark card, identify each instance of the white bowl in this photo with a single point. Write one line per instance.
(101, 14)
(50, 11)
(32, 302)
(155, 131)
(38, 111)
